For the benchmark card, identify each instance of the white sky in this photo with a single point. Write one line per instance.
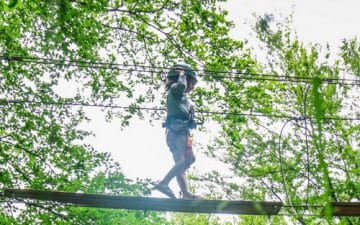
(141, 148)
(315, 20)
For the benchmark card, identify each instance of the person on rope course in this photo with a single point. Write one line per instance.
(180, 80)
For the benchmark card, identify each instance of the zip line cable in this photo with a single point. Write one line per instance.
(307, 144)
(280, 155)
(112, 106)
(115, 66)
(207, 73)
(143, 68)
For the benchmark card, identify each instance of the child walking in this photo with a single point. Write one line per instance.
(181, 79)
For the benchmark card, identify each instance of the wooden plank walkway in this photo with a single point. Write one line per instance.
(345, 208)
(149, 204)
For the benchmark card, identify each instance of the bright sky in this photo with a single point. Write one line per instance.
(315, 20)
(141, 148)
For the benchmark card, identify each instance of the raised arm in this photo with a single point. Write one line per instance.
(180, 86)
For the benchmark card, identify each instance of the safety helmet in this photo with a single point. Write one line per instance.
(189, 72)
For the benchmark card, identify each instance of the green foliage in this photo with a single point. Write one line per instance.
(351, 55)
(195, 219)
(48, 53)
(113, 217)
(300, 160)
(48, 45)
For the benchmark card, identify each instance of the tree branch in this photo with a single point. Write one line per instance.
(271, 190)
(169, 37)
(49, 209)
(135, 11)
(130, 31)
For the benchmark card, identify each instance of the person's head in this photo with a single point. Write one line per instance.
(173, 76)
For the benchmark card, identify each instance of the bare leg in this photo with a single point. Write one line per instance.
(178, 143)
(182, 182)
(180, 177)
(163, 185)
(177, 169)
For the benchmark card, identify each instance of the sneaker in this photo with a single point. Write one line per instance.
(165, 190)
(191, 196)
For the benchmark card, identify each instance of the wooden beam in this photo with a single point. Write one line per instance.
(345, 208)
(149, 204)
